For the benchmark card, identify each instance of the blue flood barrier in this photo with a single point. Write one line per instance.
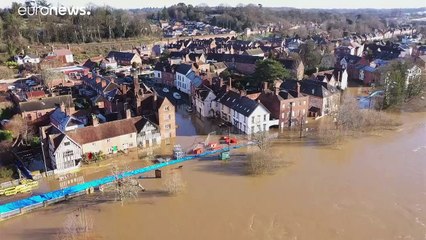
(63, 193)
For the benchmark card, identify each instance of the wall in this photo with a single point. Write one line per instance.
(122, 142)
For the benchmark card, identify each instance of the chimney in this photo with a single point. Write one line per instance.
(317, 69)
(104, 83)
(95, 120)
(298, 88)
(128, 114)
(220, 82)
(277, 91)
(68, 47)
(265, 86)
(243, 93)
(230, 82)
(63, 107)
(339, 75)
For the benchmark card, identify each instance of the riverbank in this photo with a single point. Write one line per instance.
(372, 183)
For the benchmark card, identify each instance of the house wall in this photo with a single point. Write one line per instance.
(122, 142)
(298, 111)
(69, 58)
(65, 155)
(34, 115)
(149, 136)
(167, 120)
(183, 83)
(204, 108)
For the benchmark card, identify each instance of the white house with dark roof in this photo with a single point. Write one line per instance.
(203, 99)
(186, 80)
(248, 115)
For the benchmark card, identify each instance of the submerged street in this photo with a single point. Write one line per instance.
(370, 188)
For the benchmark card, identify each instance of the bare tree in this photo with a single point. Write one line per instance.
(125, 188)
(173, 183)
(78, 225)
(50, 76)
(262, 161)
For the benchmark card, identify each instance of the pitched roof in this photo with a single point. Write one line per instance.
(46, 103)
(121, 56)
(103, 131)
(254, 51)
(62, 52)
(183, 68)
(240, 104)
(310, 87)
(36, 94)
(218, 57)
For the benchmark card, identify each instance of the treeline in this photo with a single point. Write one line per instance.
(17, 31)
(251, 16)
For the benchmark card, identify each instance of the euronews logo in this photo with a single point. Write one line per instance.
(31, 8)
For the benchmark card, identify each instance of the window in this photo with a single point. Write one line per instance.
(68, 154)
(304, 103)
(264, 118)
(283, 105)
(67, 143)
(166, 108)
(167, 126)
(252, 119)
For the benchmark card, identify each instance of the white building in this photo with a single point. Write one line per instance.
(186, 80)
(203, 101)
(182, 82)
(246, 114)
(24, 59)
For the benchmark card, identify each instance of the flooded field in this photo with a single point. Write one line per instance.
(370, 188)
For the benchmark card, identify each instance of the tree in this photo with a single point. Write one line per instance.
(50, 76)
(5, 173)
(310, 54)
(268, 71)
(173, 183)
(125, 188)
(78, 225)
(395, 83)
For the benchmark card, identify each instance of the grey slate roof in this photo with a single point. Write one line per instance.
(46, 103)
(183, 68)
(240, 104)
(121, 56)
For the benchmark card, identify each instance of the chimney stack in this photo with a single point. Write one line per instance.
(63, 107)
(220, 82)
(339, 72)
(230, 83)
(317, 69)
(243, 93)
(95, 120)
(277, 90)
(128, 114)
(298, 88)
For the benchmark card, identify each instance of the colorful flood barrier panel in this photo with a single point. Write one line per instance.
(15, 207)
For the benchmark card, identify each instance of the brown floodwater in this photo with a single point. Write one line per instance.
(369, 188)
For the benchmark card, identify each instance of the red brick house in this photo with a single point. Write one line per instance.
(290, 107)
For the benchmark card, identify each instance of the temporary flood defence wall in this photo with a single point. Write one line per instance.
(27, 204)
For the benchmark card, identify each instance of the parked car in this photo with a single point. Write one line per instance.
(177, 95)
(166, 90)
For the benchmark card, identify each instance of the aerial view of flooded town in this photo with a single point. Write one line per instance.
(292, 120)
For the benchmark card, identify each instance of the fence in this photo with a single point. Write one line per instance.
(24, 205)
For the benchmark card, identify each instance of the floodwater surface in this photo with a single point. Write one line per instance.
(370, 188)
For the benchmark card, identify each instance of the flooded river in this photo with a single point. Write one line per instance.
(370, 188)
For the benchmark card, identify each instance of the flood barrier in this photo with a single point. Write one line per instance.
(23, 205)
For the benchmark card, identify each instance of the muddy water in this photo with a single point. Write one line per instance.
(370, 188)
